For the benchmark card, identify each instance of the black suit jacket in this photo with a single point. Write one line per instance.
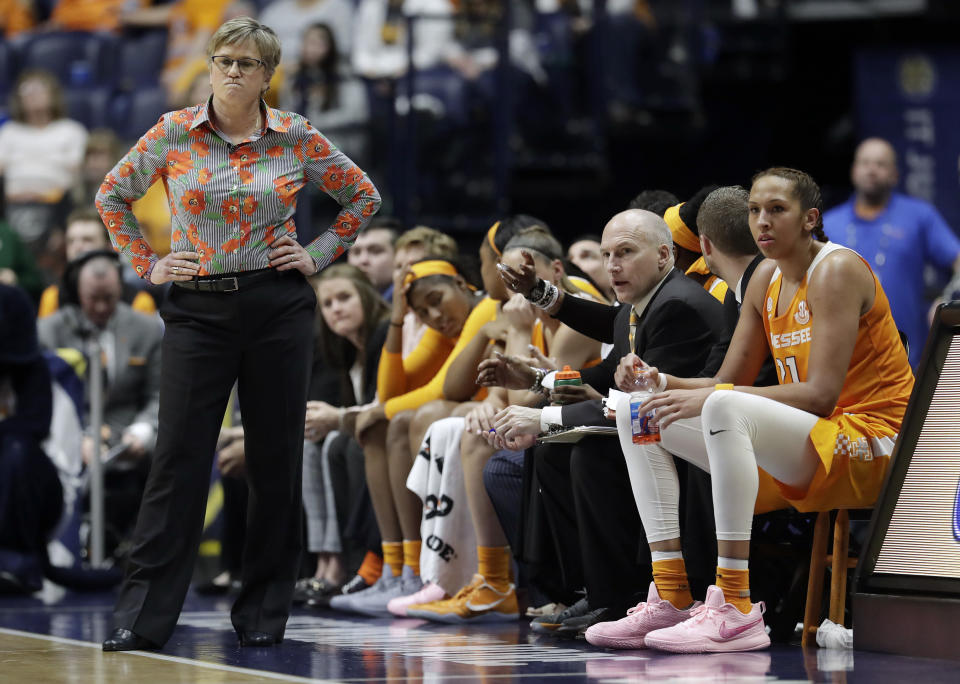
(676, 333)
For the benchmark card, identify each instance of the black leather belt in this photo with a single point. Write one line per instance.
(230, 283)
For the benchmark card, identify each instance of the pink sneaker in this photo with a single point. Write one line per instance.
(628, 632)
(715, 627)
(430, 592)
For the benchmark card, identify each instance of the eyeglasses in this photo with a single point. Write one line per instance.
(247, 65)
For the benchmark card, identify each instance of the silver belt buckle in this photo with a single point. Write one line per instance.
(236, 285)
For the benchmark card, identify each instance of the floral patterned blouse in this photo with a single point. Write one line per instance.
(229, 202)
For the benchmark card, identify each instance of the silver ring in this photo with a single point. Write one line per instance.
(176, 269)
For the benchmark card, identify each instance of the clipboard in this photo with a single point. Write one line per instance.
(575, 434)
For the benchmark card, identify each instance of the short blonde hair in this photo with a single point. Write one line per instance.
(241, 29)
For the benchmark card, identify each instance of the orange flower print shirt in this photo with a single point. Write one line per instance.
(230, 202)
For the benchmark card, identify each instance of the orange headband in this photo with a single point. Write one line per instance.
(699, 267)
(490, 235)
(682, 235)
(422, 269)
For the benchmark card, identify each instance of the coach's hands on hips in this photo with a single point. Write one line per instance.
(175, 266)
(287, 254)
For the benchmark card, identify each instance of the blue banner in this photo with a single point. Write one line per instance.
(911, 97)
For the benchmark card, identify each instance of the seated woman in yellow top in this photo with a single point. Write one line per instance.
(528, 330)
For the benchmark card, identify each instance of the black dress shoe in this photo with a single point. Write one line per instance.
(125, 640)
(257, 639)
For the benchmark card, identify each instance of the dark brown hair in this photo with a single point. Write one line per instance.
(338, 352)
(805, 189)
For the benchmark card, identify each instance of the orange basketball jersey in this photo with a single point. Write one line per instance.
(854, 443)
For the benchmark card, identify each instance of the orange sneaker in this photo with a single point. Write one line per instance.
(476, 602)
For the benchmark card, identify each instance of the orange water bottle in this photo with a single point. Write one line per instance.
(567, 376)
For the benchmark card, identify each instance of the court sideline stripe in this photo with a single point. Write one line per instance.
(276, 675)
(175, 659)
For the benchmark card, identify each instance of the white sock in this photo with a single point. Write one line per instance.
(666, 555)
(733, 563)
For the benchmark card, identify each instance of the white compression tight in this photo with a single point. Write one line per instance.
(735, 433)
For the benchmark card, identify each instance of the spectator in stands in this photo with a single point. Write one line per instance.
(86, 233)
(897, 235)
(235, 240)
(31, 496)
(89, 15)
(289, 18)
(41, 152)
(380, 48)
(373, 253)
(16, 17)
(17, 265)
(326, 92)
(473, 53)
(130, 343)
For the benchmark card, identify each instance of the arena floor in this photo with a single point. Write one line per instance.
(56, 639)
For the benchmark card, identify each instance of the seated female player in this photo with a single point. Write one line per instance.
(445, 301)
(825, 433)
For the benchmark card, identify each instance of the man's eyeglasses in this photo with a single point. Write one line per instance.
(247, 65)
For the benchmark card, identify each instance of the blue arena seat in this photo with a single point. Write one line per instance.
(89, 106)
(8, 68)
(77, 59)
(136, 113)
(141, 59)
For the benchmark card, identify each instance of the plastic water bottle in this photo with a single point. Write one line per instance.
(567, 376)
(642, 425)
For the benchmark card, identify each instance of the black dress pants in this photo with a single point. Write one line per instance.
(589, 501)
(262, 337)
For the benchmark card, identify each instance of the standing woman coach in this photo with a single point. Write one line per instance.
(243, 311)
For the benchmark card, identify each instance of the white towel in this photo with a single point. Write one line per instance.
(449, 552)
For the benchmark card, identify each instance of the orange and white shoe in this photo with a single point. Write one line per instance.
(476, 602)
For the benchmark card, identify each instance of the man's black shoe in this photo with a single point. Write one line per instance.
(548, 624)
(574, 627)
(257, 639)
(125, 640)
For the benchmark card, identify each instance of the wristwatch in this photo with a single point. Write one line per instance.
(537, 291)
